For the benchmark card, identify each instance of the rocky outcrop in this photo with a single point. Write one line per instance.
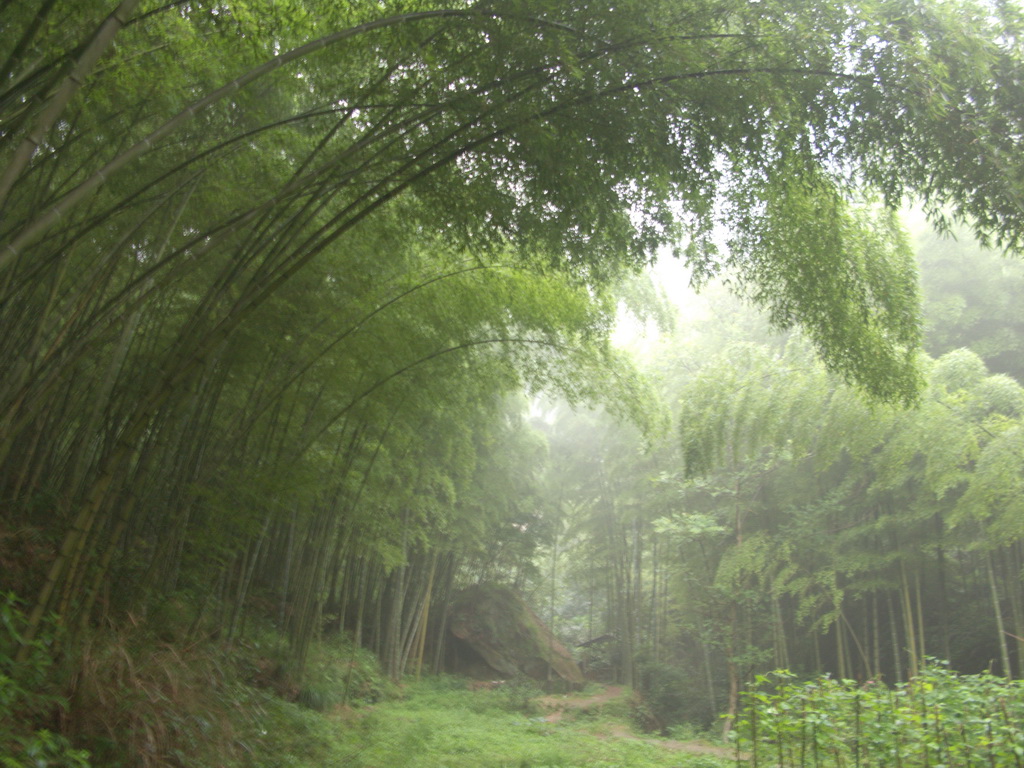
(501, 629)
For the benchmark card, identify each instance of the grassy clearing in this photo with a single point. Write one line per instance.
(132, 699)
(439, 724)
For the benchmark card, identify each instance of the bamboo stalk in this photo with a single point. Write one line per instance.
(1004, 651)
(69, 86)
(421, 644)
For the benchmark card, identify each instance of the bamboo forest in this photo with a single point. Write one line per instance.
(511, 383)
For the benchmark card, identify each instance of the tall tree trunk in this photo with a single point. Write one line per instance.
(897, 654)
(451, 566)
(421, 643)
(361, 588)
(624, 631)
(876, 639)
(1013, 584)
(940, 556)
(779, 644)
(734, 673)
(709, 676)
(1004, 651)
(283, 595)
(908, 623)
(391, 647)
(636, 599)
(653, 624)
(552, 596)
(841, 663)
(246, 580)
(922, 653)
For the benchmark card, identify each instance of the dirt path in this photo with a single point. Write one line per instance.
(557, 706)
(690, 747)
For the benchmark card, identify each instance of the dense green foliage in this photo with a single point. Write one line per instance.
(788, 522)
(441, 723)
(210, 706)
(26, 701)
(971, 297)
(937, 719)
(275, 276)
(137, 698)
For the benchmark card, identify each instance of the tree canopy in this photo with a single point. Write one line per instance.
(254, 256)
(273, 276)
(586, 135)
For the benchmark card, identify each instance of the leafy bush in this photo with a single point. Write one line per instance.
(672, 695)
(139, 701)
(27, 700)
(281, 734)
(517, 694)
(691, 732)
(938, 719)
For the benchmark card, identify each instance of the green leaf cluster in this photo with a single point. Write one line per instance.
(939, 718)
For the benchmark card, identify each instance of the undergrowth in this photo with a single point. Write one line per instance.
(940, 719)
(135, 696)
(30, 704)
(440, 723)
(132, 697)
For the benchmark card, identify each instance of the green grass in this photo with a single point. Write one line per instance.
(439, 726)
(137, 700)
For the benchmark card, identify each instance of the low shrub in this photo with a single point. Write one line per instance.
(30, 708)
(135, 700)
(672, 695)
(939, 718)
(518, 693)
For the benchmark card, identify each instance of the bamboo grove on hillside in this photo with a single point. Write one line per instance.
(794, 526)
(269, 271)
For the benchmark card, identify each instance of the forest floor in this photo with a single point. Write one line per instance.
(558, 705)
(446, 723)
(559, 708)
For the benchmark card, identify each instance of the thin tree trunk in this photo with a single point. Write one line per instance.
(709, 675)
(101, 40)
(841, 667)
(391, 650)
(361, 587)
(908, 623)
(626, 631)
(1004, 651)
(552, 597)
(816, 641)
(70, 551)
(922, 654)
(943, 591)
(282, 605)
(897, 654)
(876, 639)
(779, 643)
(653, 625)
(448, 571)
(246, 580)
(421, 643)
(734, 676)
(1012, 581)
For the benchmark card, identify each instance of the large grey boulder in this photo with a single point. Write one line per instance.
(506, 634)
